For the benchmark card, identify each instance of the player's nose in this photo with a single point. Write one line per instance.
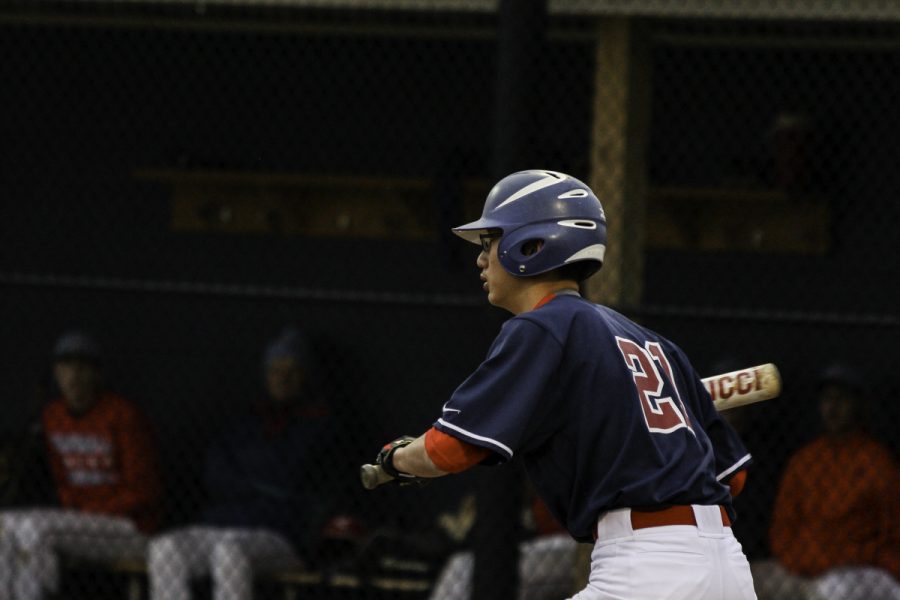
(482, 261)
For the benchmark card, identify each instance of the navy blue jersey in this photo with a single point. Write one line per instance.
(605, 414)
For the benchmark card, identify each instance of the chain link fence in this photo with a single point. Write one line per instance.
(187, 181)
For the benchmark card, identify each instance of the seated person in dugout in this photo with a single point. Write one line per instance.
(546, 559)
(834, 531)
(104, 465)
(270, 485)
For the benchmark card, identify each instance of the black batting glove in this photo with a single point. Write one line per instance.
(385, 459)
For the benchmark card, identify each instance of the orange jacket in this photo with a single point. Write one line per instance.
(837, 505)
(105, 460)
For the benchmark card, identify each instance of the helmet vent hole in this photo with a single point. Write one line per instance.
(579, 193)
(579, 224)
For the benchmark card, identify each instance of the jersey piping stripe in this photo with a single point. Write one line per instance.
(733, 468)
(506, 449)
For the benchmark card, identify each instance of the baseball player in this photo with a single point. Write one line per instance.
(104, 463)
(615, 429)
(267, 495)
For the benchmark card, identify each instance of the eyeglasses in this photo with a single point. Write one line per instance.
(486, 240)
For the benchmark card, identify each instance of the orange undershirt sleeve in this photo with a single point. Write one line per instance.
(736, 483)
(451, 454)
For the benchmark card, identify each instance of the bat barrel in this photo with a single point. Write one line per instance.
(744, 386)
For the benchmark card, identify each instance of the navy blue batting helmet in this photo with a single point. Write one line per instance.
(554, 208)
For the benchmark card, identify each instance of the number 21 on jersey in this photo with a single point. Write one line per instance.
(663, 412)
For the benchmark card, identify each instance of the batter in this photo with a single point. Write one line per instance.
(614, 426)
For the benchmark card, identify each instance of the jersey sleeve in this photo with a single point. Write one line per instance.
(501, 403)
(140, 487)
(730, 452)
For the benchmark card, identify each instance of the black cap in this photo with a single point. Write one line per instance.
(76, 344)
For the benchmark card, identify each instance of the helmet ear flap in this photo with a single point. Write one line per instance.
(540, 247)
(522, 252)
(531, 247)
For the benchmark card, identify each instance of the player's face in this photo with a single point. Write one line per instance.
(837, 409)
(284, 379)
(501, 287)
(78, 382)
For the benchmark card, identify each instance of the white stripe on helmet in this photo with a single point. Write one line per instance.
(552, 178)
(594, 251)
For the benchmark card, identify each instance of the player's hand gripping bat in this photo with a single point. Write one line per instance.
(728, 390)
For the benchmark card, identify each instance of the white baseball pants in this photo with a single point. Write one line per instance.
(678, 562)
(30, 540)
(229, 555)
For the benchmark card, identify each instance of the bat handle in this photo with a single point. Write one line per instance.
(372, 476)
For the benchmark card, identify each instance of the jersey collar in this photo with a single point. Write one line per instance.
(554, 294)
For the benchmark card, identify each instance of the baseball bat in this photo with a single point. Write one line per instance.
(744, 386)
(728, 390)
(372, 476)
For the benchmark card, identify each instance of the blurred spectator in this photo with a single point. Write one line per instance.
(104, 466)
(271, 483)
(834, 526)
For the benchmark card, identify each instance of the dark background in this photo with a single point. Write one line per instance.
(183, 315)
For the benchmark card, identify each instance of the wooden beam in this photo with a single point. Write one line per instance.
(618, 148)
(316, 205)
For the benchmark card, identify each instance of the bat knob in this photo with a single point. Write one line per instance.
(369, 476)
